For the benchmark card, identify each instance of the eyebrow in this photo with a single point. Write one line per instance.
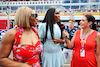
(57, 12)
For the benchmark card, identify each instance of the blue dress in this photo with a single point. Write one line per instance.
(51, 55)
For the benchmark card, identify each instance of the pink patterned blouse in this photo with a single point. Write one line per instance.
(26, 53)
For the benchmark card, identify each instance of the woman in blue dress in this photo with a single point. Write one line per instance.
(50, 35)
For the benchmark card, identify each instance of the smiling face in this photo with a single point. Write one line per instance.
(57, 16)
(84, 23)
(33, 19)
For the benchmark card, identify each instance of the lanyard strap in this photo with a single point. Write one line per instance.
(84, 41)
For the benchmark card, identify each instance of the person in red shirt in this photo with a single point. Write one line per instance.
(85, 41)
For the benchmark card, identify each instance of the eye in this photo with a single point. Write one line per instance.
(34, 15)
(82, 20)
(57, 13)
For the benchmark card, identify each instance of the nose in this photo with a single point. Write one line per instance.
(58, 15)
(80, 22)
(37, 18)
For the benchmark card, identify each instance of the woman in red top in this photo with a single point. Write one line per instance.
(23, 39)
(86, 41)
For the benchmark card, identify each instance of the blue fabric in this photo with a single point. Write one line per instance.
(2, 32)
(52, 55)
(71, 33)
(98, 29)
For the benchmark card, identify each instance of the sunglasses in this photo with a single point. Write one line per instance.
(34, 15)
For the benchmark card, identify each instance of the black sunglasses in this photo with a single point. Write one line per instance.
(34, 15)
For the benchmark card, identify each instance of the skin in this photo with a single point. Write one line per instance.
(57, 19)
(85, 25)
(57, 16)
(28, 37)
(32, 19)
(71, 25)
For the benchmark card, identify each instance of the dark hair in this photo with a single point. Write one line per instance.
(91, 18)
(49, 19)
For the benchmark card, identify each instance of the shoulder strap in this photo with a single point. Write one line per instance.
(18, 35)
(35, 32)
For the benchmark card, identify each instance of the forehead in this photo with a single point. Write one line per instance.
(84, 17)
(33, 11)
(56, 11)
(71, 21)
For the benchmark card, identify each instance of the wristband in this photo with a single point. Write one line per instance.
(67, 37)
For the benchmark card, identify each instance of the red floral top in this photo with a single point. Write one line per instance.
(26, 53)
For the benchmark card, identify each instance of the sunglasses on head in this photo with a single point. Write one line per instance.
(34, 15)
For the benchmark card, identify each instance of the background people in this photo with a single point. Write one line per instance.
(50, 35)
(86, 41)
(23, 39)
(71, 30)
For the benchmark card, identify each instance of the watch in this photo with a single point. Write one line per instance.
(67, 37)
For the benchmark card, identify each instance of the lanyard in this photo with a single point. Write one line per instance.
(84, 41)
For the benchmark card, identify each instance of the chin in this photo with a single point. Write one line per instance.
(34, 25)
(82, 27)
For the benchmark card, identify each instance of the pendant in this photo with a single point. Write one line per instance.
(83, 41)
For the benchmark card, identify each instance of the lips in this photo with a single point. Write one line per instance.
(36, 22)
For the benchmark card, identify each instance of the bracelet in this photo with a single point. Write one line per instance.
(67, 37)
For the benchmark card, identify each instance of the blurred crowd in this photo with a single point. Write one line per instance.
(30, 0)
(61, 11)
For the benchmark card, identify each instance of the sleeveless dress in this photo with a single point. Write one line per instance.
(51, 55)
(89, 60)
(26, 53)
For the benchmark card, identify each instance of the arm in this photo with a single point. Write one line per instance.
(61, 41)
(98, 49)
(69, 43)
(41, 31)
(58, 40)
(5, 49)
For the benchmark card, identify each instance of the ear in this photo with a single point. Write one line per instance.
(90, 23)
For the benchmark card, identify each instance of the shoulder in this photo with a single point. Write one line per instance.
(98, 38)
(42, 25)
(98, 34)
(9, 36)
(74, 28)
(10, 33)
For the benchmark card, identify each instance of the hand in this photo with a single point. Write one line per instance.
(25, 65)
(65, 44)
(56, 40)
(65, 33)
